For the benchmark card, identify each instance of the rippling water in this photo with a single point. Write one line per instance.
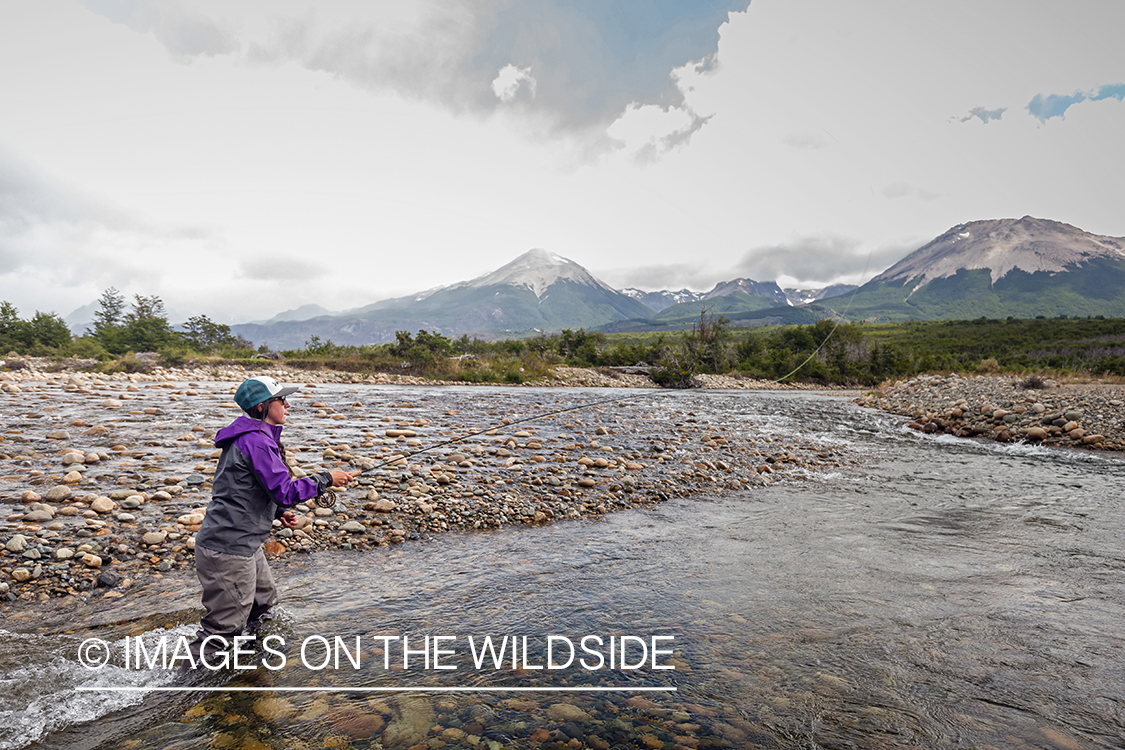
(941, 593)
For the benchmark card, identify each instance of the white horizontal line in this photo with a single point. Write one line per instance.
(174, 689)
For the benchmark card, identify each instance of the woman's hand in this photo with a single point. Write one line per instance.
(340, 478)
(289, 519)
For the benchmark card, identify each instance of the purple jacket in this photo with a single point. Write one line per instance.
(252, 487)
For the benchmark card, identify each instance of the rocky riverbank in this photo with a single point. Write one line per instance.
(1072, 415)
(104, 480)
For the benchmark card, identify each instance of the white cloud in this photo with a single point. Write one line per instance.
(508, 82)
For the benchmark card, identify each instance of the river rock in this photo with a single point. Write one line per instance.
(359, 725)
(103, 505)
(64, 553)
(412, 721)
(190, 519)
(17, 544)
(566, 712)
(108, 580)
(58, 435)
(73, 458)
(91, 561)
(21, 574)
(57, 494)
(154, 537)
(273, 708)
(30, 497)
(354, 527)
(37, 516)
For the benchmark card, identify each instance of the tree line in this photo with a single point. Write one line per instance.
(118, 328)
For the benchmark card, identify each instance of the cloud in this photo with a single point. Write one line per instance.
(1044, 108)
(183, 31)
(583, 61)
(673, 276)
(510, 80)
(984, 115)
(29, 203)
(275, 268)
(823, 260)
(59, 248)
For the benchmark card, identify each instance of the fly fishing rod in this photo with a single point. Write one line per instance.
(328, 498)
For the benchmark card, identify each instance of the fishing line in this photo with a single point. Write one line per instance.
(840, 319)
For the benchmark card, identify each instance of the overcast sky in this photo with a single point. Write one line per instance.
(242, 158)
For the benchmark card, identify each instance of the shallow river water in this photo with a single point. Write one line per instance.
(939, 593)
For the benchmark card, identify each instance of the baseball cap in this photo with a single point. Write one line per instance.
(254, 391)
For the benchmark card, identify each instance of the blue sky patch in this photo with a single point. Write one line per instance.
(1056, 105)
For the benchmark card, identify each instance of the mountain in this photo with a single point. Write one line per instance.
(998, 268)
(726, 298)
(768, 290)
(82, 318)
(805, 296)
(304, 312)
(657, 301)
(537, 292)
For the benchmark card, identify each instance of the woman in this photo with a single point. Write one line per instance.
(252, 487)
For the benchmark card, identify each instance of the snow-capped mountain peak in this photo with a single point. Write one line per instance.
(537, 270)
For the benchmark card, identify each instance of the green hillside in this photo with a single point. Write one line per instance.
(1096, 288)
(566, 304)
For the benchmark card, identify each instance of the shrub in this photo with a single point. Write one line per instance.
(988, 366)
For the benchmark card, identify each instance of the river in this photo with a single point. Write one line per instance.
(936, 593)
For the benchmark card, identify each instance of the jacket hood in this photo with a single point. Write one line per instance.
(243, 425)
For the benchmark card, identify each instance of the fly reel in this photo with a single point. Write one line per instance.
(327, 498)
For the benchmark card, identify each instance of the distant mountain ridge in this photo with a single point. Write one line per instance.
(657, 301)
(304, 312)
(539, 291)
(663, 299)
